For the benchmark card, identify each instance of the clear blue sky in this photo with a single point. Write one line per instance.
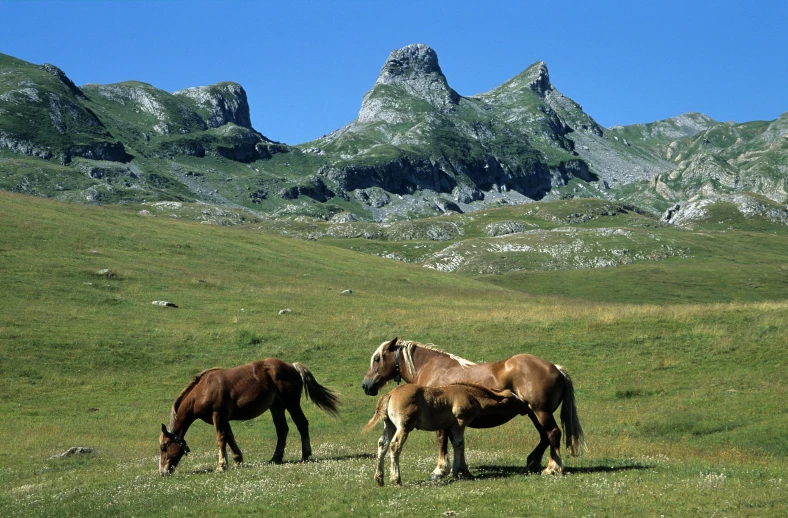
(306, 65)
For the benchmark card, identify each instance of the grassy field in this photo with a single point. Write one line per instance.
(682, 398)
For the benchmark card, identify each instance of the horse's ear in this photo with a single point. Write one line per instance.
(164, 430)
(392, 343)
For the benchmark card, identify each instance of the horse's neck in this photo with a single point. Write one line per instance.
(427, 363)
(183, 418)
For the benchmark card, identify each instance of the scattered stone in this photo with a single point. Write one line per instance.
(347, 292)
(74, 450)
(144, 212)
(284, 311)
(343, 217)
(163, 303)
(503, 228)
(106, 272)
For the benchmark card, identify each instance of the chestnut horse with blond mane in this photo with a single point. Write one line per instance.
(543, 385)
(218, 396)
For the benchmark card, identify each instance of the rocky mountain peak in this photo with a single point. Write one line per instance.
(415, 70)
(223, 102)
(409, 64)
(538, 78)
(63, 78)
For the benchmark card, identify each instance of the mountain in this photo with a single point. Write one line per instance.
(417, 148)
(415, 133)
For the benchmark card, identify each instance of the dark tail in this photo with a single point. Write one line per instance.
(326, 399)
(575, 441)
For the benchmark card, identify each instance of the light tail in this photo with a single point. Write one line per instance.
(380, 412)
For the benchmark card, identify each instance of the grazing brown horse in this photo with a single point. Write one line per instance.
(452, 407)
(542, 384)
(218, 396)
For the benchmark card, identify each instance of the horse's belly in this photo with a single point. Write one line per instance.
(252, 408)
(434, 421)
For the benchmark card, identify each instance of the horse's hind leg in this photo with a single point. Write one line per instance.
(442, 468)
(550, 435)
(460, 466)
(280, 423)
(397, 443)
(534, 461)
(383, 446)
(302, 424)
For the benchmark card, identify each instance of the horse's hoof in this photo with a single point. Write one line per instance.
(220, 469)
(275, 460)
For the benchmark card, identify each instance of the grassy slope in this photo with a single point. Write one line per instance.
(682, 404)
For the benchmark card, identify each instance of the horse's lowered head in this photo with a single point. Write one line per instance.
(172, 449)
(383, 366)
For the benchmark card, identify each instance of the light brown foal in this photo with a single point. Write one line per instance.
(452, 407)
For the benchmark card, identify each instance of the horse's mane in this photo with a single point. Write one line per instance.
(178, 400)
(407, 354)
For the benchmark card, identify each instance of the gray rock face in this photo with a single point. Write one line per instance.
(225, 102)
(466, 194)
(413, 69)
(374, 197)
(687, 215)
(503, 228)
(313, 186)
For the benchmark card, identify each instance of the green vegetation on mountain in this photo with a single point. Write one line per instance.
(417, 149)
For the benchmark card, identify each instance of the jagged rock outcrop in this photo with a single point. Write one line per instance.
(414, 71)
(689, 214)
(221, 103)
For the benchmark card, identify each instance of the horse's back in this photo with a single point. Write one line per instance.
(246, 391)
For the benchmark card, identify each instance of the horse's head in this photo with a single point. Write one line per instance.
(172, 449)
(383, 366)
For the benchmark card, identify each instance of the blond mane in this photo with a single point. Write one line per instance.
(407, 354)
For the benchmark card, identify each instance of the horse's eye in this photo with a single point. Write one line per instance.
(163, 447)
(376, 359)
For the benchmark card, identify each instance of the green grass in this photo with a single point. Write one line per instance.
(682, 401)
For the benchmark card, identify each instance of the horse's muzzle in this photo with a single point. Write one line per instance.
(369, 387)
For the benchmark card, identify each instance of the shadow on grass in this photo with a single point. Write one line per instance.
(492, 471)
(252, 465)
(350, 456)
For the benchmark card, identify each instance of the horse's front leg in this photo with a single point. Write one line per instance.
(222, 432)
(442, 437)
(280, 423)
(460, 466)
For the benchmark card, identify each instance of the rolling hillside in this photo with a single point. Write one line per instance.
(678, 367)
